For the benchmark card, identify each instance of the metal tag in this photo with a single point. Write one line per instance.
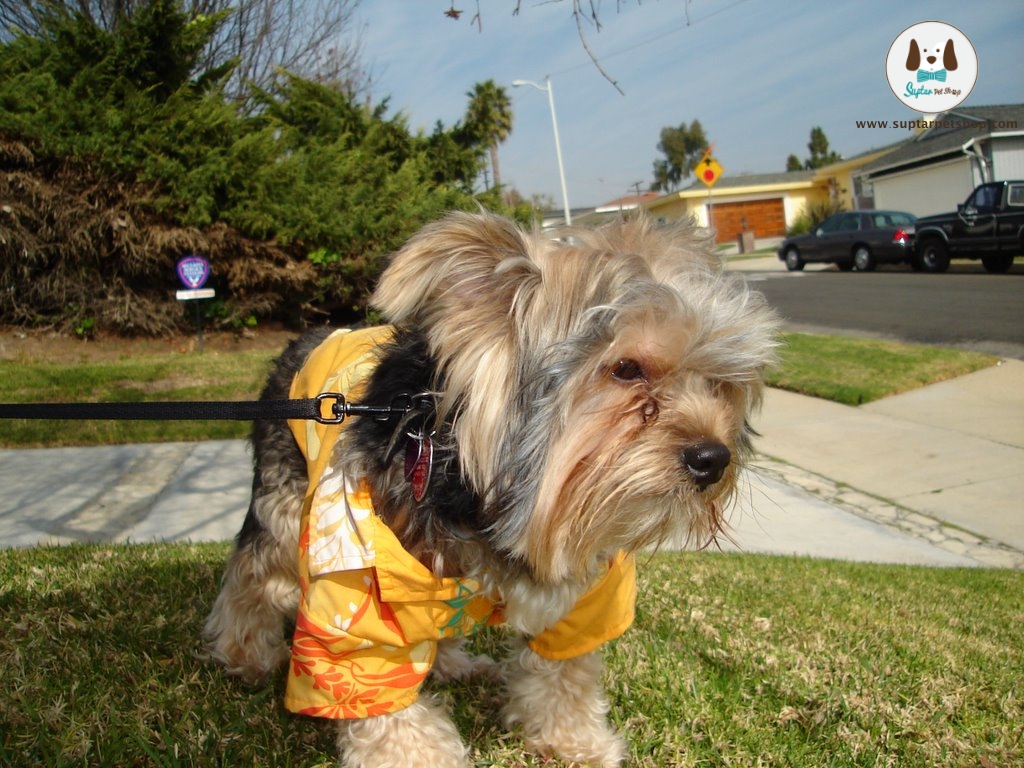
(419, 460)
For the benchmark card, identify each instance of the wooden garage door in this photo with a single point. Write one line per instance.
(765, 218)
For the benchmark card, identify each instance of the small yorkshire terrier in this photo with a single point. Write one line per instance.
(561, 402)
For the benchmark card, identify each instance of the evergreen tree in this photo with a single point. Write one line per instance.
(820, 154)
(318, 185)
(683, 147)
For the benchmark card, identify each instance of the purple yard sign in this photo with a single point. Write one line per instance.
(193, 271)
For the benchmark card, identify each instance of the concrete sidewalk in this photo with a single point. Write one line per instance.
(931, 477)
(944, 463)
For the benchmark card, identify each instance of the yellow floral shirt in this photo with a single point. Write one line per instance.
(371, 615)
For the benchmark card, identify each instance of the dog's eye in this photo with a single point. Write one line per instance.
(628, 370)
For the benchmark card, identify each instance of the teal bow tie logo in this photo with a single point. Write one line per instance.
(923, 75)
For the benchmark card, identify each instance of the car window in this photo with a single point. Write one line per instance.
(901, 219)
(831, 224)
(1015, 195)
(985, 197)
(850, 221)
(881, 220)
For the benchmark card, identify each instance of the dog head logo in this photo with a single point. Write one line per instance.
(931, 67)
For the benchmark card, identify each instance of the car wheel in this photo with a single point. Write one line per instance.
(997, 263)
(863, 260)
(793, 261)
(933, 256)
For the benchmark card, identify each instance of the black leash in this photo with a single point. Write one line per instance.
(325, 408)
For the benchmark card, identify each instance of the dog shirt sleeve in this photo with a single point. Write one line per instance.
(366, 638)
(350, 657)
(601, 614)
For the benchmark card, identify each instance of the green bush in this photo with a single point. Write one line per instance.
(322, 186)
(814, 214)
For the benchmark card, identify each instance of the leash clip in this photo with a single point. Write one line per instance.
(338, 408)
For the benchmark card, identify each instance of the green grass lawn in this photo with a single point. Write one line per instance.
(855, 371)
(851, 371)
(734, 660)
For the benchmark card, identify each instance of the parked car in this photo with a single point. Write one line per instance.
(854, 240)
(988, 225)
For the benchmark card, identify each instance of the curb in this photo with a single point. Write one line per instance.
(985, 551)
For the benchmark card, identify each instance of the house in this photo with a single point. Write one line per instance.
(627, 203)
(762, 203)
(937, 168)
(595, 216)
(767, 204)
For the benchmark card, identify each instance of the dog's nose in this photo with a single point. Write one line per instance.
(706, 462)
(931, 59)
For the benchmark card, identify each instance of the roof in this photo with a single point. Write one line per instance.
(949, 133)
(725, 181)
(750, 183)
(627, 203)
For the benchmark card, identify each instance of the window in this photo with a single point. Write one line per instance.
(831, 224)
(985, 197)
(850, 222)
(902, 219)
(1016, 195)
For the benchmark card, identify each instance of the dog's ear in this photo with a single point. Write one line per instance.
(913, 56)
(459, 281)
(949, 56)
(453, 266)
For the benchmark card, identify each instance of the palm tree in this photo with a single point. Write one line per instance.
(489, 119)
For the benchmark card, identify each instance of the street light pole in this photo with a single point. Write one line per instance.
(558, 145)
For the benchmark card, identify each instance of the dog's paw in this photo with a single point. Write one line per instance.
(562, 710)
(420, 736)
(603, 747)
(590, 742)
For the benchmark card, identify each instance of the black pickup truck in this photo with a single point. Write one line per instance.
(989, 225)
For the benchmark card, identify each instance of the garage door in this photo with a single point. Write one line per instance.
(933, 189)
(765, 218)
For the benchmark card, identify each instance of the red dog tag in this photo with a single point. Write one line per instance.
(419, 460)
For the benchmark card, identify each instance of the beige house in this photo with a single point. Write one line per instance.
(766, 204)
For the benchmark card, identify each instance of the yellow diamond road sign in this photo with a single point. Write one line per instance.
(708, 170)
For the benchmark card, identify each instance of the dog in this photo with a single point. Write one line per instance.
(557, 404)
(929, 57)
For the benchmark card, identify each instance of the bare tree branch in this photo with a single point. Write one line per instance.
(578, 16)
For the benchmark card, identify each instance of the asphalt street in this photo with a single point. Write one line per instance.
(966, 309)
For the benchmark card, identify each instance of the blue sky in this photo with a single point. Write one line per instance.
(758, 74)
